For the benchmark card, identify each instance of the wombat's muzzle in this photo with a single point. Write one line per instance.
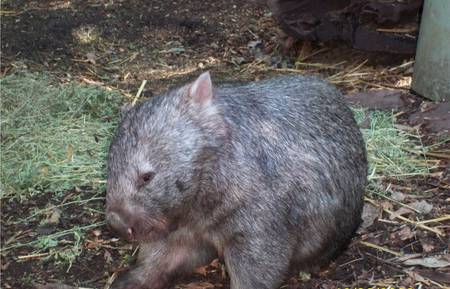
(120, 225)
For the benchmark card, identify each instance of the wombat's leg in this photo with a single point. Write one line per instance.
(148, 272)
(158, 261)
(257, 264)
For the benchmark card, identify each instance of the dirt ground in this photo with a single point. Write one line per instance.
(118, 44)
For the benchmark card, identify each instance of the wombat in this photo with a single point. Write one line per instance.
(268, 175)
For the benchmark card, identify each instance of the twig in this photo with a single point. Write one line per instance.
(440, 219)
(384, 85)
(122, 61)
(395, 201)
(409, 63)
(388, 221)
(32, 256)
(141, 88)
(314, 53)
(351, 262)
(422, 226)
(437, 155)
(397, 30)
(370, 245)
(319, 65)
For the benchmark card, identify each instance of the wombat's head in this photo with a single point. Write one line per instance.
(157, 158)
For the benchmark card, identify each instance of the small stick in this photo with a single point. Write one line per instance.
(314, 53)
(122, 61)
(440, 219)
(319, 65)
(437, 155)
(370, 245)
(32, 256)
(388, 221)
(357, 67)
(385, 85)
(395, 201)
(409, 63)
(139, 92)
(350, 262)
(422, 226)
(397, 30)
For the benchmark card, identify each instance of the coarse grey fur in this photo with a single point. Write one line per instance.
(268, 175)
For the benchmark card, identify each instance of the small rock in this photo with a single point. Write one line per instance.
(422, 206)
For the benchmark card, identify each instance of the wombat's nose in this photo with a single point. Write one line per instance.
(119, 225)
(130, 233)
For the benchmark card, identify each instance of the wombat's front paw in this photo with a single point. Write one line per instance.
(131, 280)
(128, 281)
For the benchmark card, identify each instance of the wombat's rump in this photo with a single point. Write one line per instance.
(268, 175)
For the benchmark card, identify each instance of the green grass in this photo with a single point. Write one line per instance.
(392, 153)
(53, 137)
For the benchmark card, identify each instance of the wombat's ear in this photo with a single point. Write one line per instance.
(201, 90)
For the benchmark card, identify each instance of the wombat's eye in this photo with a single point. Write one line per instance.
(145, 178)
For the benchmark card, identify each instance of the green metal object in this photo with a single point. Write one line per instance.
(432, 67)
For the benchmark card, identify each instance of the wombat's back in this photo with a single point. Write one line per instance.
(301, 146)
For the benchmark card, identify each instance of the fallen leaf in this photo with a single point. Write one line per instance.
(69, 153)
(304, 276)
(398, 196)
(433, 117)
(400, 212)
(201, 270)
(435, 275)
(52, 216)
(386, 205)
(415, 276)
(90, 244)
(369, 215)
(254, 44)
(423, 206)
(427, 247)
(44, 170)
(90, 56)
(107, 256)
(404, 82)
(237, 60)
(199, 285)
(5, 266)
(215, 263)
(429, 262)
(405, 233)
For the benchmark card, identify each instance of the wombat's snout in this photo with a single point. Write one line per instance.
(121, 225)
